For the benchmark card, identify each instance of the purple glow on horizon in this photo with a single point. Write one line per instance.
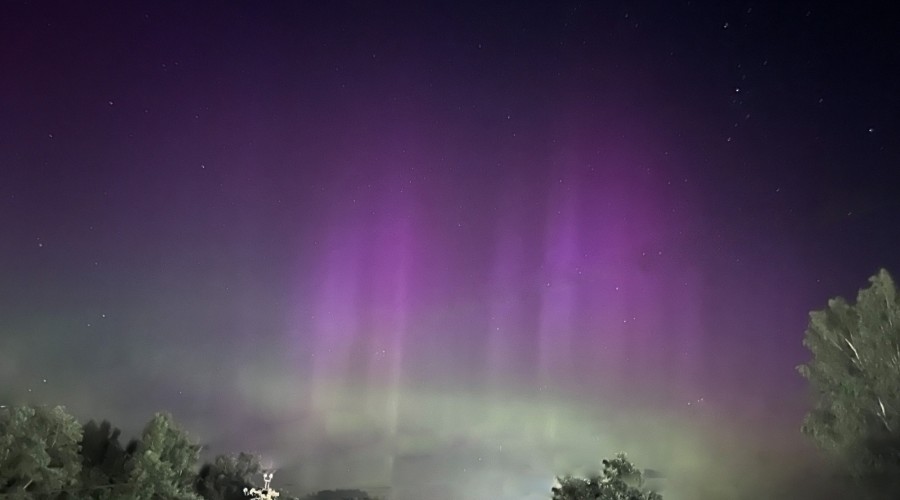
(473, 245)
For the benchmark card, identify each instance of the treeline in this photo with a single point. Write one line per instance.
(854, 377)
(46, 454)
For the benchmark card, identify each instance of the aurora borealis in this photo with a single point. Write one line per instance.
(454, 249)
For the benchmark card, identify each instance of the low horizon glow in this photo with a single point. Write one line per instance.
(453, 251)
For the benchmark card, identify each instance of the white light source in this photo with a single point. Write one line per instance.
(266, 493)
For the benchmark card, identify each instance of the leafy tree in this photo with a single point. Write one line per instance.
(855, 378)
(619, 480)
(45, 454)
(38, 451)
(227, 476)
(162, 465)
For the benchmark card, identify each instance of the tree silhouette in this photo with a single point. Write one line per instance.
(619, 480)
(163, 464)
(854, 375)
(103, 461)
(227, 476)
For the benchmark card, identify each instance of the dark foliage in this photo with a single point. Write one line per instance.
(854, 375)
(227, 476)
(619, 480)
(46, 455)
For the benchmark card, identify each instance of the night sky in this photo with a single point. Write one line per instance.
(450, 249)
